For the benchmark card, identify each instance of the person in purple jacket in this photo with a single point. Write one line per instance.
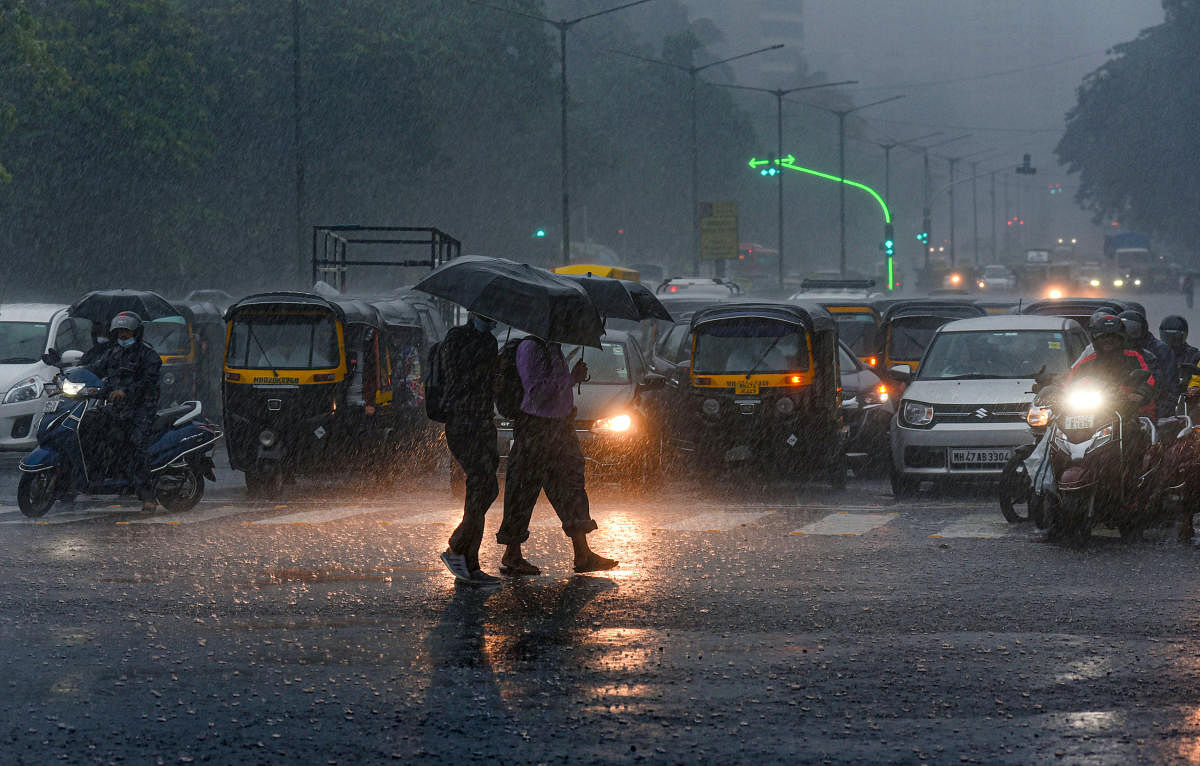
(545, 455)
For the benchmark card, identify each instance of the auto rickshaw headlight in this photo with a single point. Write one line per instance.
(710, 407)
(267, 438)
(785, 405)
(168, 378)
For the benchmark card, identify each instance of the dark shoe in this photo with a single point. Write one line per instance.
(482, 579)
(595, 563)
(519, 568)
(457, 564)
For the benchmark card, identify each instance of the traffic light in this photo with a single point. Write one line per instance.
(923, 234)
(539, 233)
(771, 168)
(888, 246)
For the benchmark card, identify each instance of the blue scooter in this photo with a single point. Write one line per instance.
(77, 452)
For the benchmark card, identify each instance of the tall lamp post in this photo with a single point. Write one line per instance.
(841, 115)
(298, 138)
(562, 25)
(779, 93)
(952, 161)
(927, 189)
(692, 71)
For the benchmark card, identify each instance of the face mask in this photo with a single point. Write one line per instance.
(101, 339)
(126, 342)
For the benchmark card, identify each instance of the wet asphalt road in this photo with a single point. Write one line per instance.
(750, 621)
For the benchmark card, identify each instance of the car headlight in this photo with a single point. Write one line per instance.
(1094, 283)
(917, 413)
(1084, 399)
(982, 284)
(24, 391)
(617, 424)
(710, 407)
(784, 405)
(168, 378)
(877, 395)
(267, 438)
(1038, 417)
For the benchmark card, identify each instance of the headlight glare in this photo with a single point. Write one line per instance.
(71, 388)
(24, 391)
(616, 424)
(1085, 399)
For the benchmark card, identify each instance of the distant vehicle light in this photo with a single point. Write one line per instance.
(982, 285)
(1118, 283)
(1094, 283)
(1054, 293)
(956, 279)
(1137, 283)
(873, 361)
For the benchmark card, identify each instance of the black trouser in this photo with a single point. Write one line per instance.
(141, 437)
(545, 455)
(473, 445)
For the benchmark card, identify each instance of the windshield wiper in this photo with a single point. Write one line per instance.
(257, 342)
(973, 376)
(17, 360)
(762, 356)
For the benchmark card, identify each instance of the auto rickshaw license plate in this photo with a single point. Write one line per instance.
(1072, 422)
(746, 387)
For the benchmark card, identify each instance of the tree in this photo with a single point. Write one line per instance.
(1132, 137)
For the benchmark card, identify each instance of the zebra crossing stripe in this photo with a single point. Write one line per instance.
(985, 526)
(193, 516)
(316, 517)
(846, 524)
(713, 522)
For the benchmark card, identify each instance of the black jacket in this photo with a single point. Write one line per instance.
(470, 358)
(133, 370)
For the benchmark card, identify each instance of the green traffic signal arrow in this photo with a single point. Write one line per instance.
(789, 162)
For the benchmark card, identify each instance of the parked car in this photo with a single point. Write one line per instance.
(963, 412)
(28, 330)
(619, 438)
(867, 410)
(997, 279)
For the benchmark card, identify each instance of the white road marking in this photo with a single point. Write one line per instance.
(977, 526)
(713, 522)
(451, 516)
(193, 516)
(317, 517)
(846, 524)
(69, 517)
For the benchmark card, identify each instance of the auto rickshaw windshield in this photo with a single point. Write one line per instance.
(168, 336)
(291, 341)
(750, 344)
(910, 336)
(857, 331)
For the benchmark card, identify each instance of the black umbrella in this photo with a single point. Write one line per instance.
(646, 301)
(520, 295)
(102, 305)
(621, 298)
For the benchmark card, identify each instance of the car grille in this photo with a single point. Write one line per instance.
(980, 413)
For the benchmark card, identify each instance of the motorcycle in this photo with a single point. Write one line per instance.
(76, 452)
(1105, 461)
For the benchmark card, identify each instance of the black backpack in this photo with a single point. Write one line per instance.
(435, 385)
(509, 389)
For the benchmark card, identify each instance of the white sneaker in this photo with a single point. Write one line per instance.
(457, 564)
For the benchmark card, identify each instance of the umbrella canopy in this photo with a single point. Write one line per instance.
(531, 299)
(103, 305)
(620, 299)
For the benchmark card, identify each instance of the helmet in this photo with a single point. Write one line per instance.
(126, 320)
(1173, 330)
(1105, 323)
(1135, 323)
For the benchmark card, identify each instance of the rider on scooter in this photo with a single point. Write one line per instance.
(1158, 356)
(1111, 361)
(130, 369)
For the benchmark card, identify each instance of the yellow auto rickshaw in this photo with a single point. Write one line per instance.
(307, 386)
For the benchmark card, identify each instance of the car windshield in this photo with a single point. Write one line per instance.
(22, 342)
(168, 335)
(745, 345)
(910, 336)
(283, 341)
(609, 365)
(857, 331)
(988, 354)
(995, 271)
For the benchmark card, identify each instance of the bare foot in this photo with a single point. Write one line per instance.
(594, 562)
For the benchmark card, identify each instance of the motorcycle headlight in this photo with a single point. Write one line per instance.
(917, 413)
(71, 388)
(617, 424)
(785, 406)
(1085, 399)
(710, 407)
(24, 391)
(1038, 417)
(267, 437)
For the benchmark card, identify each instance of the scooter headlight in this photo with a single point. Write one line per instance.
(267, 438)
(24, 391)
(72, 388)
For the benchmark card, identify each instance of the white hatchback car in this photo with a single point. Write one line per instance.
(28, 330)
(964, 412)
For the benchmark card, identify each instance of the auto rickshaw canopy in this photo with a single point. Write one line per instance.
(599, 270)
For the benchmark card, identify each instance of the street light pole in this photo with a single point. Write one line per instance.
(298, 139)
(692, 71)
(975, 209)
(841, 115)
(779, 93)
(562, 25)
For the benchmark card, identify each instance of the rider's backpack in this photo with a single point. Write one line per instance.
(435, 385)
(509, 389)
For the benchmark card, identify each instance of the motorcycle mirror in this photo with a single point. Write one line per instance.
(70, 357)
(51, 357)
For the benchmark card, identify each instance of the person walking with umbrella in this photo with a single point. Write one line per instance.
(545, 455)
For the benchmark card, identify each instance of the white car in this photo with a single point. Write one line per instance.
(28, 330)
(996, 278)
(964, 411)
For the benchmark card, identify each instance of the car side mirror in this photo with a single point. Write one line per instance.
(70, 357)
(901, 372)
(652, 382)
(51, 357)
